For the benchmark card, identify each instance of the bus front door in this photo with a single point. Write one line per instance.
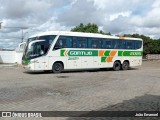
(40, 63)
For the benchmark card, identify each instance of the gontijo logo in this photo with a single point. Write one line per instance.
(79, 52)
(135, 53)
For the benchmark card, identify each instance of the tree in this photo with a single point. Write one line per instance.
(89, 28)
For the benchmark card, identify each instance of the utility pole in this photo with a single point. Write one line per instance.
(22, 35)
(22, 28)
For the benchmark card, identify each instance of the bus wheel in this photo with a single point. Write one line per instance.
(116, 66)
(125, 65)
(57, 67)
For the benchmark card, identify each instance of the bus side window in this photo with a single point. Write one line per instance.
(123, 44)
(89, 42)
(94, 43)
(64, 42)
(74, 42)
(82, 42)
(100, 43)
(138, 44)
(58, 44)
(69, 42)
(108, 44)
(61, 43)
(103, 43)
(129, 44)
(114, 44)
(120, 44)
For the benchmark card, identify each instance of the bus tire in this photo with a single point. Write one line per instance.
(57, 67)
(116, 66)
(125, 65)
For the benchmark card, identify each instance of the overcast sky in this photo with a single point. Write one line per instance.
(115, 16)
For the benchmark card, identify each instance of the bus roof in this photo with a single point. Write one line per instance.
(82, 34)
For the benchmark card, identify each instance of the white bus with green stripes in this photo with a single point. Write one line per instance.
(60, 50)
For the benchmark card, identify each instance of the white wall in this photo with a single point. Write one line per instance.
(153, 56)
(11, 57)
(7, 56)
(18, 57)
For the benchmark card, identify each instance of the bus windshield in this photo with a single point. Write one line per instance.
(35, 49)
(38, 46)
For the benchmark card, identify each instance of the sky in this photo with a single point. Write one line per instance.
(116, 16)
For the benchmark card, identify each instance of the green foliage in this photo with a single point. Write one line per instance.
(89, 28)
(150, 46)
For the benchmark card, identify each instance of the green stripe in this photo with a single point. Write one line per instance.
(120, 53)
(132, 53)
(95, 53)
(107, 53)
(62, 52)
(103, 59)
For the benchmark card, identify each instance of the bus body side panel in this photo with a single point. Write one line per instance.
(81, 62)
(97, 62)
(87, 62)
(54, 56)
(135, 61)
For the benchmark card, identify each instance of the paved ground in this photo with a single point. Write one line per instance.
(136, 89)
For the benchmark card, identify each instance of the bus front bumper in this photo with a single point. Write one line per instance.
(29, 67)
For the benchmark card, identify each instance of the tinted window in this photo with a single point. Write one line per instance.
(31, 39)
(64, 42)
(114, 44)
(48, 40)
(69, 41)
(138, 44)
(81, 42)
(74, 42)
(94, 43)
(120, 44)
(129, 44)
(38, 48)
(107, 44)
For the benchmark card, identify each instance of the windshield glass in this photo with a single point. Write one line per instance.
(39, 47)
(36, 49)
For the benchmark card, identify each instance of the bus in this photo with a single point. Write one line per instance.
(61, 50)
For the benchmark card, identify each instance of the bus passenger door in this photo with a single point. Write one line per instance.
(39, 63)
